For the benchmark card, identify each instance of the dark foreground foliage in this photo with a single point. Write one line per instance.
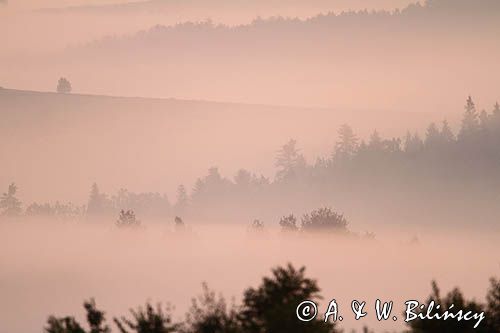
(455, 297)
(271, 308)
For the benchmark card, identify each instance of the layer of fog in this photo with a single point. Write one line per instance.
(50, 268)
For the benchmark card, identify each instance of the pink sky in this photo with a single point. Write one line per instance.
(336, 4)
(31, 4)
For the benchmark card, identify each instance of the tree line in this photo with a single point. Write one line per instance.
(463, 164)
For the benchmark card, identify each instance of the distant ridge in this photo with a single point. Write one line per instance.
(38, 93)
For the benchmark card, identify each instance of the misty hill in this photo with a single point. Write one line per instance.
(418, 58)
(57, 145)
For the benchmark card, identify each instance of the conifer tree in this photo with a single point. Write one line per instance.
(470, 121)
(447, 135)
(347, 143)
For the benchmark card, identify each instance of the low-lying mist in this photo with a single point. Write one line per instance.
(50, 268)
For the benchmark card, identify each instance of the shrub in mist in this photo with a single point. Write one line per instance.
(257, 226)
(288, 223)
(324, 220)
(127, 219)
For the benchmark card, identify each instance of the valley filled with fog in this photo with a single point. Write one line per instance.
(56, 267)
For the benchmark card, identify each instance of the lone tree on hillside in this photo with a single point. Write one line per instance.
(64, 86)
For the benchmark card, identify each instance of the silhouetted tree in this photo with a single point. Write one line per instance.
(413, 144)
(495, 119)
(496, 109)
(493, 306)
(211, 314)
(210, 190)
(147, 320)
(10, 206)
(433, 137)
(63, 325)
(63, 86)
(271, 307)
(95, 318)
(470, 121)
(243, 178)
(98, 203)
(288, 160)
(484, 121)
(375, 144)
(392, 146)
(457, 299)
(446, 134)
(347, 143)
